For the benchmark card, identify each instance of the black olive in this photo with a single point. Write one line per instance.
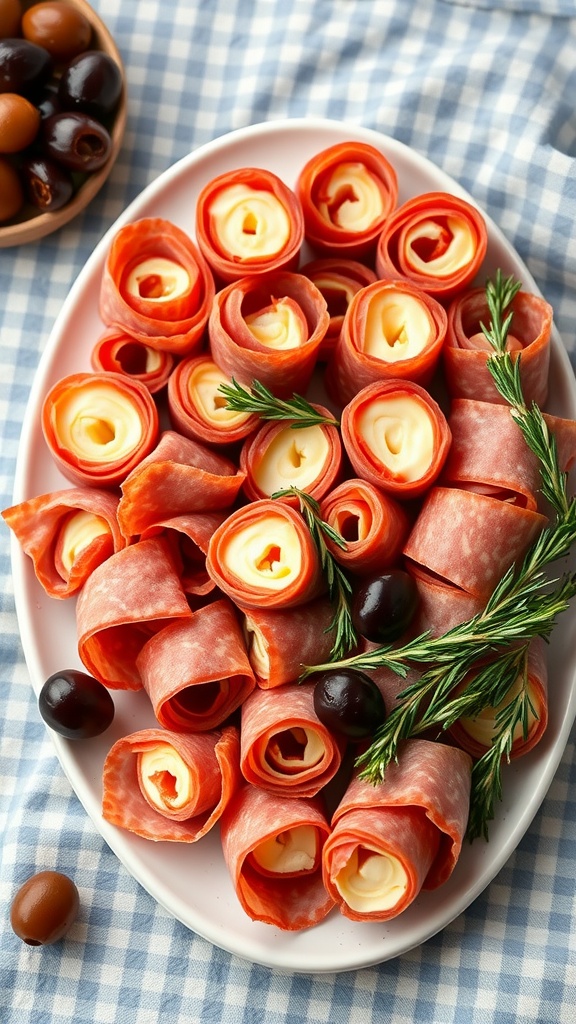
(48, 185)
(24, 67)
(75, 705)
(92, 84)
(76, 141)
(383, 606)
(348, 703)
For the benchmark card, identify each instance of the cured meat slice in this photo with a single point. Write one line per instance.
(99, 426)
(476, 734)
(392, 330)
(373, 525)
(284, 747)
(470, 539)
(188, 537)
(273, 851)
(126, 599)
(466, 349)
(436, 240)
(279, 455)
(441, 605)
(116, 352)
(396, 437)
(179, 477)
(157, 286)
(269, 329)
(66, 534)
(248, 222)
(263, 556)
(337, 279)
(392, 840)
(196, 672)
(281, 642)
(347, 192)
(170, 787)
(198, 410)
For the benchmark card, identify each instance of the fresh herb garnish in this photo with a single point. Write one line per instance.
(260, 401)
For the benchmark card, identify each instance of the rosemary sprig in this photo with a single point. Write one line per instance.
(263, 403)
(339, 589)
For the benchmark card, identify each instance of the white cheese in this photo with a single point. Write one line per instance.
(157, 279)
(294, 750)
(351, 198)
(397, 327)
(290, 852)
(265, 553)
(165, 777)
(249, 223)
(295, 458)
(458, 253)
(371, 880)
(257, 648)
(399, 432)
(278, 327)
(210, 404)
(482, 728)
(97, 422)
(78, 531)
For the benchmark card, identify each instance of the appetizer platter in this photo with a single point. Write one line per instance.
(191, 879)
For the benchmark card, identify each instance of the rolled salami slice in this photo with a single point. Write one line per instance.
(157, 286)
(470, 539)
(99, 426)
(441, 605)
(436, 240)
(188, 538)
(279, 456)
(126, 599)
(248, 222)
(392, 330)
(396, 437)
(169, 787)
(280, 642)
(198, 410)
(390, 841)
(269, 329)
(196, 672)
(273, 851)
(263, 556)
(466, 349)
(337, 279)
(116, 352)
(179, 477)
(66, 534)
(373, 525)
(347, 192)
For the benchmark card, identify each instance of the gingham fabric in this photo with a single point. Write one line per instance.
(486, 90)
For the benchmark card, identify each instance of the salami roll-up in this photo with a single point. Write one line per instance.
(188, 538)
(392, 330)
(280, 642)
(196, 672)
(248, 222)
(179, 477)
(197, 408)
(126, 599)
(337, 279)
(470, 539)
(441, 605)
(66, 534)
(396, 437)
(392, 840)
(273, 851)
(157, 286)
(466, 349)
(263, 556)
(116, 352)
(280, 455)
(436, 240)
(99, 426)
(347, 193)
(284, 747)
(373, 525)
(168, 787)
(476, 734)
(269, 329)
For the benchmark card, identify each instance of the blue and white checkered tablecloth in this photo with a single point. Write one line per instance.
(487, 90)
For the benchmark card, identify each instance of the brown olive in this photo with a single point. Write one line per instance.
(76, 141)
(19, 122)
(11, 193)
(44, 908)
(10, 15)
(59, 28)
(48, 186)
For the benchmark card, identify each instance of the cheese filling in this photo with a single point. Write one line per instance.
(279, 326)
(209, 403)
(450, 248)
(97, 423)
(293, 458)
(294, 750)
(482, 727)
(291, 852)
(399, 432)
(397, 327)
(265, 553)
(158, 279)
(257, 649)
(249, 223)
(351, 198)
(77, 533)
(371, 880)
(165, 778)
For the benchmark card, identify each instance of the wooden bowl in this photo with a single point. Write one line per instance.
(30, 224)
